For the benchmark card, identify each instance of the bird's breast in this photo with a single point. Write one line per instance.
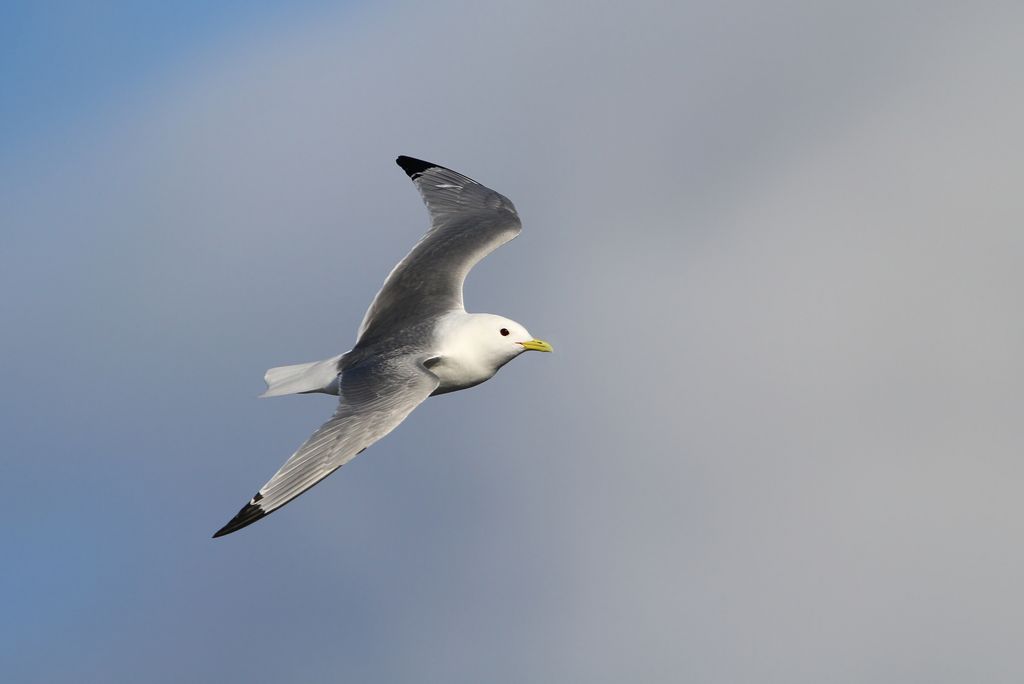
(455, 374)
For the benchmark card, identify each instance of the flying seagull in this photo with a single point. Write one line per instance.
(416, 339)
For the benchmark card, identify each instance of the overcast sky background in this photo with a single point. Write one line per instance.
(777, 248)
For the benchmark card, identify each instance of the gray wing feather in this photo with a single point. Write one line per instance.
(468, 221)
(374, 399)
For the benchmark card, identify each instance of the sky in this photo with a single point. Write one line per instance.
(776, 248)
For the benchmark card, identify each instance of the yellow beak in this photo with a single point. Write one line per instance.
(537, 345)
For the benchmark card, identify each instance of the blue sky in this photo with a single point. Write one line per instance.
(65, 62)
(776, 249)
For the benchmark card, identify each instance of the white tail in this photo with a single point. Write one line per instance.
(301, 378)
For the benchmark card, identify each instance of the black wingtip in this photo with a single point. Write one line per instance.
(414, 167)
(250, 513)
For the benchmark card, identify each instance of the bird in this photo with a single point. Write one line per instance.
(416, 339)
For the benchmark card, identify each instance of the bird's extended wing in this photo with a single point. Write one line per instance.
(374, 398)
(468, 221)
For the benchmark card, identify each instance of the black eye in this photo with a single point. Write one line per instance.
(504, 332)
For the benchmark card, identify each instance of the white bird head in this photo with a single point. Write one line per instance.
(496, 340)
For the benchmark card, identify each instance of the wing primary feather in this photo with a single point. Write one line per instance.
(250, 513)
(414, 167)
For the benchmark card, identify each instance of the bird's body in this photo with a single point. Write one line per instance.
(416, 339)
